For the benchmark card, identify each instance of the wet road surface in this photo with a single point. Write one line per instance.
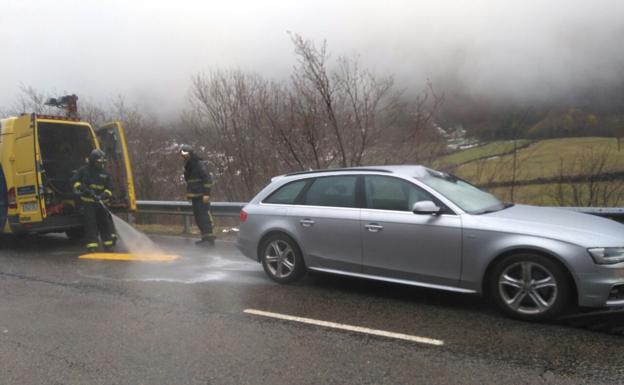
(70, 321)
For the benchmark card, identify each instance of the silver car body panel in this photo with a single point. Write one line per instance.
(422, 248)
(396, 280)
(450, 252)
(331, 235)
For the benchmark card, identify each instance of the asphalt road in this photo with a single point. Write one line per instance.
(70, 321)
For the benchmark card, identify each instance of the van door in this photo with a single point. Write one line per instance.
(112, 141)
(27, 165)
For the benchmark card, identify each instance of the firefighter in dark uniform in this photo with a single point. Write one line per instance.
(198, 185)
(93, 184)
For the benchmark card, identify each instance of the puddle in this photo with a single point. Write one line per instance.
(194, 265)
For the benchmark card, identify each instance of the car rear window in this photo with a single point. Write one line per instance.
(287, 194)
(333, 191)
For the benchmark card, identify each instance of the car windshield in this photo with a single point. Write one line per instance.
(468, 197)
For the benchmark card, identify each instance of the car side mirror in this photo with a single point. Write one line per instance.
(426, 208)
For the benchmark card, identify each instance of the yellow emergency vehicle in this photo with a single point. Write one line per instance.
(39, 155)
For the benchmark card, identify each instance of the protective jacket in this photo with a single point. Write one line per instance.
(90, 181)
(198, 181)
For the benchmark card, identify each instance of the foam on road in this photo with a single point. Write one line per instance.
(129, 257)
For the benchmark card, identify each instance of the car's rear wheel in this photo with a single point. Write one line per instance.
(530, 287)
(282, 259)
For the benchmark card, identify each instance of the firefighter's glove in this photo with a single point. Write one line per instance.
(77, 188)
(206, 199)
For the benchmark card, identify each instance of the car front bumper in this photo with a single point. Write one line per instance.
(601, 288)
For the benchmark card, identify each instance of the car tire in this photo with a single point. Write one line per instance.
(75, 233)
(530, 287)
(281, 259)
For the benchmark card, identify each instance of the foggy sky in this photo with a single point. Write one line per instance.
(147, 50)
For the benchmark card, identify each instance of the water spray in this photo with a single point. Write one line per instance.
(140, 247)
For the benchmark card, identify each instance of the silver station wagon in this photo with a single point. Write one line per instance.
(417, 226)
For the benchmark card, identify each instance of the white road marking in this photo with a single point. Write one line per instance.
(351, 328)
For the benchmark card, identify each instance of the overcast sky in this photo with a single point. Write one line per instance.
(147, 50)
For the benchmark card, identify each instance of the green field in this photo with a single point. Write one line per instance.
(546, 159)
(605, 194)
(482, 151)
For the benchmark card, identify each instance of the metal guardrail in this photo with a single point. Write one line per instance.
(226, 209)
(232, 209)
(184, 209)
(609, 212)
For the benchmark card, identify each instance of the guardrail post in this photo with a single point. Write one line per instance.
(187, 224)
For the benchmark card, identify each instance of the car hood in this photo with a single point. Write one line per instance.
(555, 223)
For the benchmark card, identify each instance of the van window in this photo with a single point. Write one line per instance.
(334, 191)
(287, 194)
(386, 193)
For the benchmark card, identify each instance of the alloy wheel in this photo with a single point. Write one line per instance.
(528, 287)
(280, 258)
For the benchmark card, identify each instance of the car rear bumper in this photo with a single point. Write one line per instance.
(52, 224)
(247, 247)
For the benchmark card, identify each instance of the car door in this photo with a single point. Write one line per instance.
(27, 166)
(396, 243)
(327, 223)
(112, 140)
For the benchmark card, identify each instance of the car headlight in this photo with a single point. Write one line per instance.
(607, 255)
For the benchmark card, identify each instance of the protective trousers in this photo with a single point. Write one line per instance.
(97, 222)
(203, 218)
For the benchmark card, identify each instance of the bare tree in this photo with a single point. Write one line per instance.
(356, 105)
(228, 116)
(295, 128)
(412, 135)
(31, 100)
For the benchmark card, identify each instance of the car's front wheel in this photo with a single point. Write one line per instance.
(282, 259)
(530, 287)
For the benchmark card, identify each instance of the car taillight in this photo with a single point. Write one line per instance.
(12, 199)
(243, 216)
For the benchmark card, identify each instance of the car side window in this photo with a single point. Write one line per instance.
(333, 191)
(287, 194)
(386, 193)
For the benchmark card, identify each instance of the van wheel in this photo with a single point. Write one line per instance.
(282, 259)
(75, 233)
(530, 287)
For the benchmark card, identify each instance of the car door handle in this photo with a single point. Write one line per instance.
(374, 228)
(307, 222)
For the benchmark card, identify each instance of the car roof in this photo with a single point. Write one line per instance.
(403, 170)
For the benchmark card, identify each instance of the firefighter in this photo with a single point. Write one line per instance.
(93, 184)
(198, 185)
